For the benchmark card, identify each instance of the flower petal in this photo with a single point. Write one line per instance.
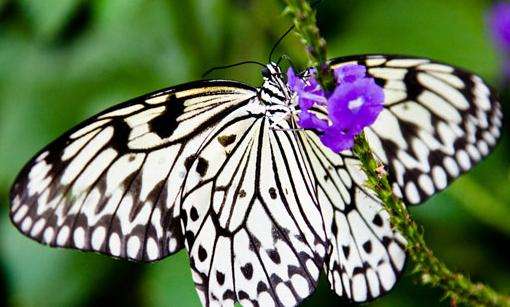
(349, 73)
(309, 120)
(354, 104)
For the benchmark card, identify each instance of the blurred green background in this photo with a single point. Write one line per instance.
(64, 60)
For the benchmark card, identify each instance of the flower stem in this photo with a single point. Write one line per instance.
(306, 27)
(431, 271)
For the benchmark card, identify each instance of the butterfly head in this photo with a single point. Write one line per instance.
(270, 71)
(274, 90)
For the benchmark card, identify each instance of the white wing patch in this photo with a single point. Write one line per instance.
(111, 185)
(439, 121)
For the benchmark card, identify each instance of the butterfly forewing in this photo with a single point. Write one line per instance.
(111, 184)
(438, 122)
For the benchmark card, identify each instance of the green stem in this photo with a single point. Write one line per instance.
(306, 27)
(432, 272)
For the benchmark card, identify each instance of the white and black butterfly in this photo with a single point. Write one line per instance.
(219, 168)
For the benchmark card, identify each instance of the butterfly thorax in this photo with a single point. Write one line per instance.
(275, 95)
(274, 90)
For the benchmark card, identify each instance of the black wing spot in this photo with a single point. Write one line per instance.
(165, 123)
(184, 217)
(367, 246)
(358, 270)
(193, 214)
(272, 192)
(247, 270)
(346, 250)
(229, 294)
(386, 241)
(202, 166)
(242, 295)
(202, 253)
(226, 140)
(242, 193)
(220, 277)
(408, 129)
(377, 220)
(261, 287)
(274, 256)
(460, 144)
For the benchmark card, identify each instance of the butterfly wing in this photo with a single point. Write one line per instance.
(261, 209)
(438, 122)
(112, 183)
(365, 256)
(251, 218)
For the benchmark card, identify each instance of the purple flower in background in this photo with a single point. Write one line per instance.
(354, 104)
(499, 23)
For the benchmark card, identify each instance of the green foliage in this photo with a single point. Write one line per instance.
(62, 61)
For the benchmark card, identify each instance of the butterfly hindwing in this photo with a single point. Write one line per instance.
(112, 183)
(252, 222)
(365, 255)
(438, 122)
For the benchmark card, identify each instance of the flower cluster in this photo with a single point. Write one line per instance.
(499, 23)
(354, 104)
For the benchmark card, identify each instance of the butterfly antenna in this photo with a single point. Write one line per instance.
(231, 65)
(313, 5)
(278, 42)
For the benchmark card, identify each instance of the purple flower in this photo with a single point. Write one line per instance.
(308, 120)
(499, 22)
(354, 104)
(308, 92)
(350, 73)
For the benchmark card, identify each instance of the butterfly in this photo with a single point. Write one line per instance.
(220, 168)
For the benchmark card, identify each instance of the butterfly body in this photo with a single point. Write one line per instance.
(218, 167)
